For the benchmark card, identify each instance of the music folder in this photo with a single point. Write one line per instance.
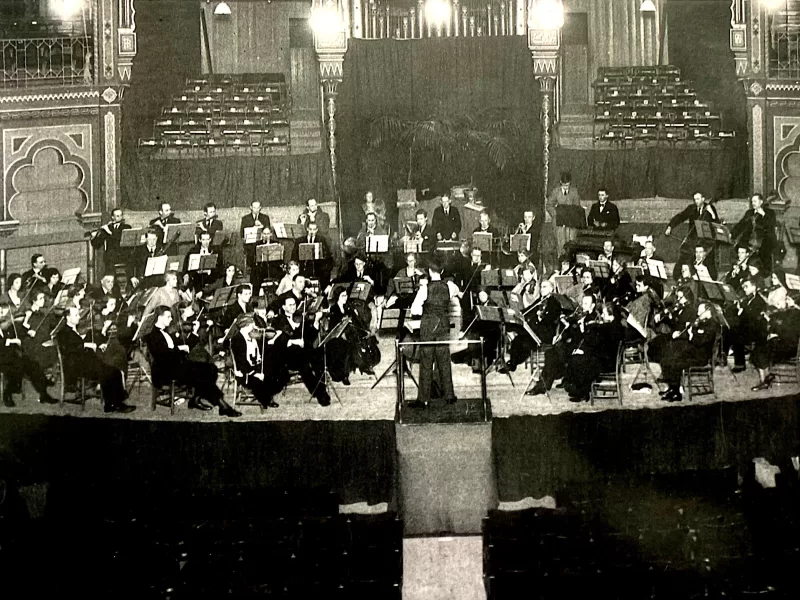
(360, 291)
(70, 276)
(482, 240)
(499, 298)
(520, 242)
(404, 286)
(702, 273)
(179, 232)
(412, 246)
(202, 262)
(792, 282)
(130, 238)
(712, 232)
(269, 253)
(156, 265)
(600, 269)
(251, 235)
(656, 268)
(377, 243)
(222, 238)
(571, 215)
(145, 327)
(310, 251)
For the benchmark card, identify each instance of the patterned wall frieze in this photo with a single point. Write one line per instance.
(757, 147)
(110, 153)
(107, 38)
(65, 95)
(784, 103)
(782, 87)
(786, 156)
(21, 145)
(49, 113)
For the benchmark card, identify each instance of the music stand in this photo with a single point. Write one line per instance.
(561, 283)
(130, 238)
(712, 232)
(178, 232)
(269, 253)
(571, 215)
(404, 286)
(520, 242)
(656, 268)
(508, 278)
(222, 238)
(377, 244)
(499, 298)
(398, 322)
(360, 290)
(494, 314)
(483, 241)
(412, 246)
(333, 334)
(70, 276)
(792, 282)
(251, 235)
(222, 297)
(600, 269)
(175, 262)
(204, 262)
(145, 327)
(490, 278)
(156, 265)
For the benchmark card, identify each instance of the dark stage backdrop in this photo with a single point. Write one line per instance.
(354, 458)
(419, 79)
(537, 456)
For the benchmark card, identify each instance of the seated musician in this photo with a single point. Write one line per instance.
(688, 278)
(557, 357)
(607, 255)
(701, 259)
(285, 284)
(37, 324)
(107, 287)
(739, 272)
(524, 262)
(642, 307)
(13, 295)
(295, 347)
(376, 207)
(34, 277)
(203, 248)
(477, 329)
(757, 272)
(165, 217)
(756, 229)
(485, 225)
(242, 306)
(370, 227)
(532, 227)
(231, 277)
(620, 288)
(80, 360)
(15, 365)
(312, 214)
(589, 285)
(322, 267)
(648, 253)
(596, 353)
(747, 325)
(780, 345)
(298, 292)
(253, 370)
(137, 265)
(410, 271)
(167, 295)
(528, 287)
(110, 332)
(690, 346)
(357, 348)
(54, 284)
(671, 319)
(170, 362)
(543, 317)
(358, 269)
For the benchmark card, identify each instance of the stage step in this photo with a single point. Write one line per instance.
(575, 131)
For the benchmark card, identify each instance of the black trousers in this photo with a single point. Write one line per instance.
(16, 367)
(309, 363)
(111, 383)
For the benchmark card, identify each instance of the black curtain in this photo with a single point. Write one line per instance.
(436, 77)
(354, 458)
(536, 456)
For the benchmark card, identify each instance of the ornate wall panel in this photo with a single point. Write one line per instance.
(786, 156)
(47, 172)
(757, 150)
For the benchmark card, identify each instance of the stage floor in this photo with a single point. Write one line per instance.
(359, 402)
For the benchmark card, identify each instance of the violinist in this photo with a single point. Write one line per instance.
(607, 255)
(642, 306)
(673, 318)
(620, 288)
(649, 253)
(285, 284)
(34, 277)
(780, 345)
(596, 353)
(242, 306)
(569, 339)
(15, 365)
(37, 324)
(358, 269)
(528, 288)
(756, 229)
(690, 346)
(254, 370)
(167, 295)
(108, 238)
(13, 295)
(747, 324)
(340, 350)
(687, 278)
(170, 362)
(702, 258)
(524, 262)
(295, 347)
(106, 326)
(410, 271)
(137, 266)
(739, 271)
(107, 287)
(470, 277)
(476, 330)
(81, 360)
(543, 317)
(589, 285)
(54, 284)
(298, 292)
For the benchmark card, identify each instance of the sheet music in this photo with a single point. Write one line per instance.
(70, 276)
(280, 230)
(377, 243)
(792, 281)
(656, 268)
(702, 273)
(194, 262)
(252, 234)
(156, 265)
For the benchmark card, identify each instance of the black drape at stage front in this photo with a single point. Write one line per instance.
(437, 78)
(354, 458)
(649, 172)
(537, 456)
(228, 181)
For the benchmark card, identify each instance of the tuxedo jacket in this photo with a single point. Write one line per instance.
(164, 359)
(607, 217)
(249, 221)
(212, 226)
(138, 261)
(233, 312)
(446, 224)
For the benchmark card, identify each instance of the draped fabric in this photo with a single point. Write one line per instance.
(436, 77)
(228, 181)
(354, 458)
(648, 172)
(624, 36)
(537, 456)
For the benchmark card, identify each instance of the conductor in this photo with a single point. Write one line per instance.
(433, 303)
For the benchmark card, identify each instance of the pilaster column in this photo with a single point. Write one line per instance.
(545, 45)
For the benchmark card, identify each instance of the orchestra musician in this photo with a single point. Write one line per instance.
(321, 267)
(563, 194)
(476, 330)
(15, 365)
(485, 225)
(603, 215)
(543, 318)
(313, 214)
(756, 229)
(298, 292)
(780, 344)
(285, 284)
(81, 360)
(531, 226)
(371, 227)
(595, 353)
(34, 277)
(203, 248)
(690, 346)
(37, 324)
(107, 287)
(740, 270)
(170, 362)
(699, 210)
(167, 295)
(54, 284)
(108, 238)
(230, 277)
(13, 294)
(252, 219)
(164, 218)
(747, 324)
(607, 255)
(410, 271)
(254, 370)
(210, 222)
(524, 262)
(433, 303)
(446, 222)
(620, 288)
(242, 306)
(674, 318)
(377, 207)
(137, 266)
(424, 233)
(295, 347)
(702, 258)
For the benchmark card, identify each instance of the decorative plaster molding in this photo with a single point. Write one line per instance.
(783, 87)
(757, 116)
(50, 97)
(47, 113)
(110, 121)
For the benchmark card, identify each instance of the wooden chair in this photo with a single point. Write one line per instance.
(157, 392)
(699, 381)
(787, 371)
(608, 386)
(241, 395)
(80, 393)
